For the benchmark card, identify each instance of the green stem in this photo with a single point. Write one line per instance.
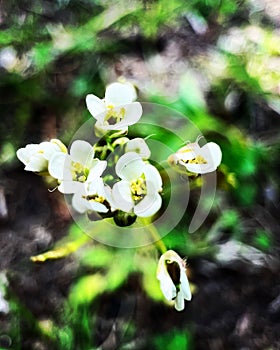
(154, 233)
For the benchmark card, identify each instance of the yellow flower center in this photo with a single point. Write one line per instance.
(197, 160)
(191, 148)
(138, 189)
(95, 198)
(114, 116)
(78, 172)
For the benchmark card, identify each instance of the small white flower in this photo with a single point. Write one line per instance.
(139, 186)
(117, 110)
(196, 159)
(76, 169)
(94, 196)
(139, 146)
(36, 157)
(174, 283)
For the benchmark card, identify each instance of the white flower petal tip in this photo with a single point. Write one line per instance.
(120, 93)
(36, 157)
(139, 186)
(196, 159)
(95, 105)
(139, 146)
(174, 283)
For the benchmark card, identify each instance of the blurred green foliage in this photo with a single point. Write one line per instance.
(173, 340)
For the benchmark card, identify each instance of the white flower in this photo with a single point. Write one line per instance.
(139, 146)
(93, 197)
(36, 157)
(196, 159)
(138, 190)
(117, 110)
(77, 169)
(174, 283)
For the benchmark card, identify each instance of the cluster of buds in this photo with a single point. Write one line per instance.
(127, 186)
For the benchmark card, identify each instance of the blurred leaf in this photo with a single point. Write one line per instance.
(87, 289)
(248, 194)
(119, 270)
(229, 218)
(63, 248)
(173, 340)
(65, 338)
(97, 256)
(7, 153)
(151, 286)
(263, 239)
(191, 93)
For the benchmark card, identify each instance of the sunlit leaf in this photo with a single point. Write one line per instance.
(87, 289)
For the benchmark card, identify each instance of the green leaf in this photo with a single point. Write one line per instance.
(87, 289)
(96, 257)
(173, 340)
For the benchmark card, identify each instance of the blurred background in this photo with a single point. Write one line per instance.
(215, 61)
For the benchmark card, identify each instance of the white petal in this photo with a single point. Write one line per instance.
(23, 155)
(108, 197)
(199, 168)
(133, 113)
(96, 187)
(82, 152)
(60, 145)
(82, 205)
(120, 93)
(187, 152)
(79, 203)
(37, 163)
(96, 206)
(153, 178)
(69, 187)
(179, 302)
(214, 153)
(32, 148)
(121, 196)
(130, 166)
(149, 205)
(95, 105)
(167, 286)
(98, 166)
(171, 256)
(58, 164)
(139, 146)
(184, 286)
(48, 149)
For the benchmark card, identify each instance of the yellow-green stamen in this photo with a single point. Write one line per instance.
(197, 160)
(78, 172)
(138, 189)
(114, 116)
(95, 198)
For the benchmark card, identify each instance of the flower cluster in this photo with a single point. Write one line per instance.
(136, 186)
(126, 184)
